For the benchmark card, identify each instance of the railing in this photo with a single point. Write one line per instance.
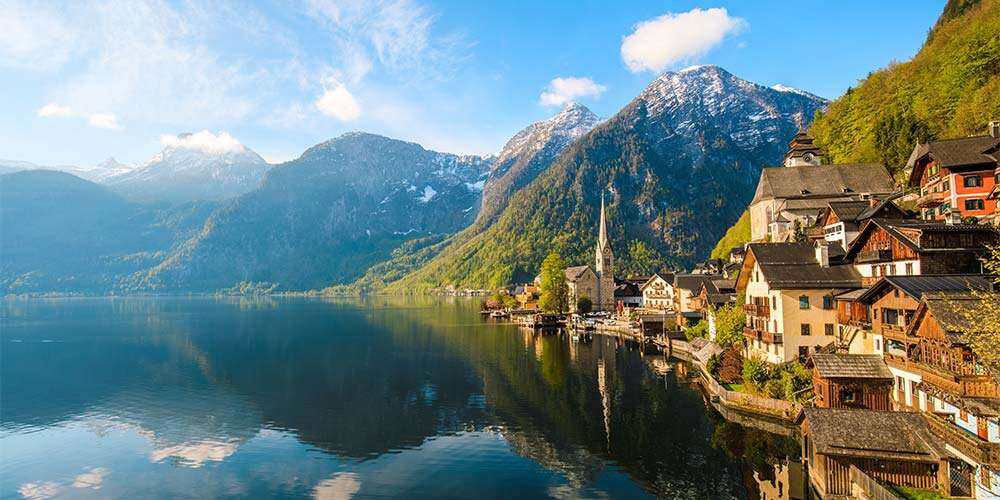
(929, 200)
(890, 330)
(779, 407)
(976, 386)
(752, 333)
(758, 310)
(872, 489)
(984, 452)
(773, 338)
(874, 256)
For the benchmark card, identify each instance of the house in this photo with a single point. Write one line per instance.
(658, 292)
(851, 381)
(995, 196)
(938, 373)
(714, 293)
(788, 291)
(687, 308)
(628, 293)
(907, 247)
(956, 175)
(527, 295)
(792, 196)
(841, 221)
(582, 282)
(736, 255)
(895, 448)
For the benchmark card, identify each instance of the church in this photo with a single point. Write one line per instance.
(597, 283)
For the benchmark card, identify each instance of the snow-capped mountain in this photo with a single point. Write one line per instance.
(529, 152)
(687, 100)
(191, 167)
(98, 173)
(105, 171)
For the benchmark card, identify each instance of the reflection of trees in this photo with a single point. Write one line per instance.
(756, 450)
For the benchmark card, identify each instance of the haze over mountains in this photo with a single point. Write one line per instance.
(677, 164)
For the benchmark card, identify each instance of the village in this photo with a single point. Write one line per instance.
(851, 315)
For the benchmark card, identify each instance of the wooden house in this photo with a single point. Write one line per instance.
(851, 381)
(956, 176)
(910, 247)
(840, 221)
(896, 448)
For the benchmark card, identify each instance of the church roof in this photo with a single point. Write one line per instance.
(818, 181)
(574, 273)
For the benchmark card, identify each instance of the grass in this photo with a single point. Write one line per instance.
(915, 494)
(734, 387)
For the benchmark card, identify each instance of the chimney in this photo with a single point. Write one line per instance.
(822, 254)
(994, 129)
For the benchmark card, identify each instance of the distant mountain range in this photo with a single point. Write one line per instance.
(677, 164)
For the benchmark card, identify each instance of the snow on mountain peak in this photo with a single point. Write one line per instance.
(572, 121)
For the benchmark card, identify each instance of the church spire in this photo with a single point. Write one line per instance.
(602, 235)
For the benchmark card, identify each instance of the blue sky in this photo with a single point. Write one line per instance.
(83, 81)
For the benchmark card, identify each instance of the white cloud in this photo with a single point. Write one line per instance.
(92, 479)
(658, 43)
(205, 142)
(52, 109)
(195, 454)
(563, 90)
(338, 103)
(340, 486)
(35, 36)
(103, 120)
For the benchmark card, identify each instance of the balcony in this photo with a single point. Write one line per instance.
(874, 256)
(967, 386)
(974, 447)
(773, 338)
(758, 310)
(752, 334)
(895, 331)
(931, 200)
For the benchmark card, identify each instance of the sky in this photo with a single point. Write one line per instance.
(82, 81)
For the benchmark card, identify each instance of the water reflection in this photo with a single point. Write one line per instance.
(333, 399)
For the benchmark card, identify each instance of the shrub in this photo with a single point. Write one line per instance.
(713, 365)
(699, 330)
(756, 372)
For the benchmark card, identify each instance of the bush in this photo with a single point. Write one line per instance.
(713, 365)
(756, 372)
(584, 305)
(699, 330)
(731, 366)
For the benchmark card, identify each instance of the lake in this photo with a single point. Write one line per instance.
(333, 399)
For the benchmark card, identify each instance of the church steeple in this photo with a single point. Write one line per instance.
(604, 257)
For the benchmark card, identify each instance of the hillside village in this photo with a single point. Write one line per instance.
(858, 304)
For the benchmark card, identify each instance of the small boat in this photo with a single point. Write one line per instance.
(498, 314)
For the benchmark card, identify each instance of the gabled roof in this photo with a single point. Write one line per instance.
(918, 285)
(952, 312)
(888, 435)
(576, 272)
(794, 266)
(667, 277)
(962, 152)
(693, 282)
(893, 228)
(627, 290)
(851, 366)
(823, 181)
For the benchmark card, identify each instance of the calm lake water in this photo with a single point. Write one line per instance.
(177, 397)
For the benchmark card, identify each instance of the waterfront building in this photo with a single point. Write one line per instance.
(792, 196)
(956, 176)
(895, 448)
(582, 282)
(788, 291)
(658, 292)
(628, 294)
(714, 293)
(851, 381)
(910, 247)
(605, 267)
(687, 308)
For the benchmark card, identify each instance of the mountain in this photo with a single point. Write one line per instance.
(65, 234)
(528, 153)
(678, 165)
(190, 170)
(951, 88)
(104, 171)
(327, 216)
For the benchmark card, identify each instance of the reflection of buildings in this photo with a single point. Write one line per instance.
(787, 483)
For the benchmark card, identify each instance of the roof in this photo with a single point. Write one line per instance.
(576, 272)
(627, 290)
(852, 295)
(693, 282)
(823, 180)
(953, 153)
(721, 298)
(888, 435)
(667, 277)
(952, 312)
(917, 286)
(794, 265)
(895, 228)
(851, 366)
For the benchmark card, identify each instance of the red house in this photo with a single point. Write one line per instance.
(956, 175)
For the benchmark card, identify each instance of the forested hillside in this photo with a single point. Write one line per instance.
(951, 88)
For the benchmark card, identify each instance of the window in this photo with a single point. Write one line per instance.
(971, 181)
(775, 324)
(848, 395)
(944, 208)
(828, 329)
(774, 302)
(827, 302)
(804, 302)
(878, 345)
(974, 204)
(805, 329)
(909, 268)
(890, 316)
(946, 186)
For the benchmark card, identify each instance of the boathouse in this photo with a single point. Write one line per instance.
(852, 381)
(895, 448)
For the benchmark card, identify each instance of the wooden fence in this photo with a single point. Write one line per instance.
(870, 489)
(779, 407)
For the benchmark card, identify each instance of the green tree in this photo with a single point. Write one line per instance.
(642, 260)
(699, 330)
(555, 291)
(729, 322)
(756, 372)
(982, 323)
(584, 305)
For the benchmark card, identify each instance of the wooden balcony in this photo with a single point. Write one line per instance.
(973, 446)
(758, 310)
(752, 334)
(763, 336)
(874, 256)
(973, 386)
(895, 332)
(931, 200)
